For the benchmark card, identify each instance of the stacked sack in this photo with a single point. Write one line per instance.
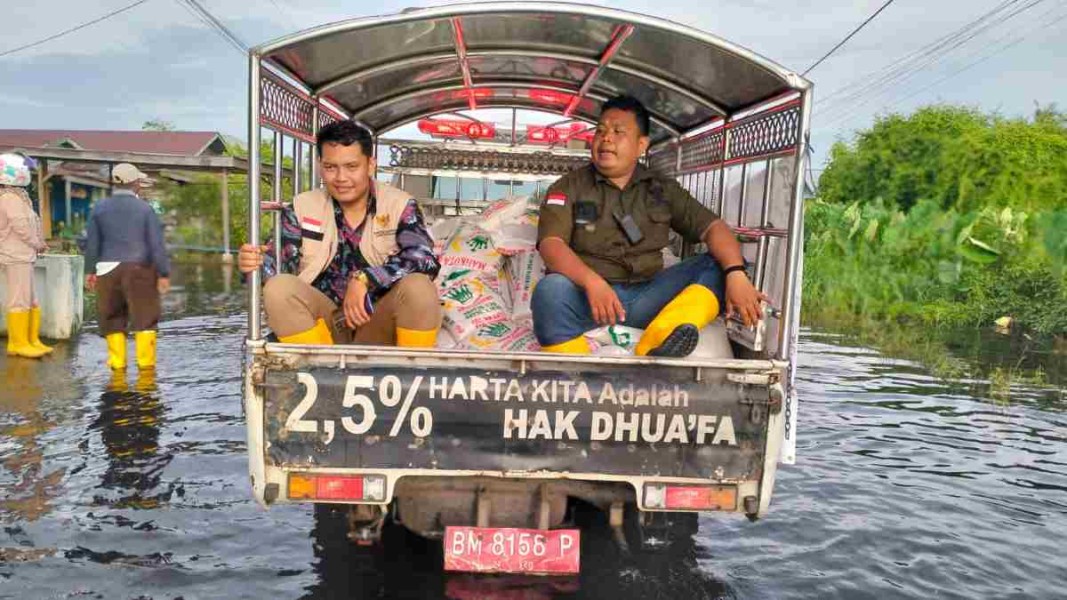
(479, 283)
(489, 269)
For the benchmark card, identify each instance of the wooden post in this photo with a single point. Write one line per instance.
(68, 217)
(226, 256)
(44, 202)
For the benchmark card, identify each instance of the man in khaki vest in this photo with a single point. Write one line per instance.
(357, 260)
(601, 234)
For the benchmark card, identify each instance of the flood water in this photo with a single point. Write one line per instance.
(905, 487)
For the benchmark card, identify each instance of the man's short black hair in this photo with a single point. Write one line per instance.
(631, 105)
(346, 133)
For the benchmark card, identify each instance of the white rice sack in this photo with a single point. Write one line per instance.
(613, 340)
(505, 336)
(507, 210)
(445, 341)
(471, 248)
(513, 238)
(442, 231)
(619, 340)
(524, 270)
(714, 343)
(470, 304)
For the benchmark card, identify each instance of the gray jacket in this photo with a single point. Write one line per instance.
(123, 228)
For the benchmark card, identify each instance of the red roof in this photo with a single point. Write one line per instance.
(185, 143)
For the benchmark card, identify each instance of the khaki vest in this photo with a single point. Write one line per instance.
(379, 231)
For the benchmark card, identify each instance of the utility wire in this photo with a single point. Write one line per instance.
(855, 109)
(72, 29)
(910, 69)
(1002, 48)
(906, 64)
(847, 37)
(204, 15)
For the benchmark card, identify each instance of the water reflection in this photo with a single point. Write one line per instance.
(27, 486)
(407, 566)
(129, 421)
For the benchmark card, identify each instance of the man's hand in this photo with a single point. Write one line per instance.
(250, 258)
(354, 305)
(743, 299)
(90, 283)
(163, 285)
(604, 302)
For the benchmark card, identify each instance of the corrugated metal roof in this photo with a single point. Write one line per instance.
(177, 143)
(552, 56)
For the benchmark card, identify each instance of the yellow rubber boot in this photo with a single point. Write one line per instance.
(415, 338)
(146, 381)
(35, 330)
(676, 329)
(116, 350)
(145, 342)
(18, 335)
(578, 345)
(319, 334)
(118, 382)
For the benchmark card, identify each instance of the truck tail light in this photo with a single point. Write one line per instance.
(664, 496)
(365, 488)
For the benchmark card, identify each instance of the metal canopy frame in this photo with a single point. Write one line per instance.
(714, 105)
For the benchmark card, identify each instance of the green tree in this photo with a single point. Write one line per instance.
(956, 157)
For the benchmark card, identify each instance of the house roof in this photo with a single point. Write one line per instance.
(178, 143)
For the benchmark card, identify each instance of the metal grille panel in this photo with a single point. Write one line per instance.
(703, 152)
(664, 161)
(413, 157)
(326, 117)
(284, 109)
(765, 134)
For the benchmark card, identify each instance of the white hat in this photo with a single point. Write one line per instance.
(126, 173)
(15, 169)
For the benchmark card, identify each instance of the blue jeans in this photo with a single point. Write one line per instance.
(561, 311)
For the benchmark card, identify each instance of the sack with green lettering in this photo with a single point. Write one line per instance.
(469, 253)
(471, 303)
(613, 340)
(523, 271)
(505, 336)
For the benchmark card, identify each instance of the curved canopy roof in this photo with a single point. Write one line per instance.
(555, 57)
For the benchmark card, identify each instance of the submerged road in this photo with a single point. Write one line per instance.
(137, 487)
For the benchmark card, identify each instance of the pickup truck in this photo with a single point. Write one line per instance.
(490, 451)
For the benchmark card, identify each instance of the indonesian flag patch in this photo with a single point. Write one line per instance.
(556, 199)
(311, 228)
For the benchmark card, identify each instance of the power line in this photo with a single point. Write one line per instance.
(855, 109)
(906, 64)
(1002, 48)
(204, 15)
(847, 37)
(951, 43)
(72, 29)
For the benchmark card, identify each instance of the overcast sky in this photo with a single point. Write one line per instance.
(157, 61)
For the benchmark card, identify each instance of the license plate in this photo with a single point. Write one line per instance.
(507, 550)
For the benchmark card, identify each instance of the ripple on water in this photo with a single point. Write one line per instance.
(906, 487)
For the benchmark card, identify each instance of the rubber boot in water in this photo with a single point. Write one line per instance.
(35, 331)
(145, 342)
(116, 350)
(18, 335)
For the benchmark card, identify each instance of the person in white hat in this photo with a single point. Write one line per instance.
(21, 239)
(126, 264)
